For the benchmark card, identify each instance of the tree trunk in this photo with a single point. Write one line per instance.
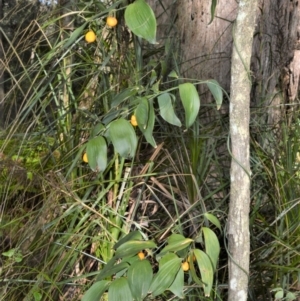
(276, 64)
(238, 218)
(206, 48)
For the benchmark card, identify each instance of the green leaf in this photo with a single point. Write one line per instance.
(168, 269)
(212, 246)
(123, 137)
(176, 242)
(37, 296)
(139, 279)
(124, 95)
(213, 219)
(134, 235)
(191, 102)
(142, 113)
(29, 175)
(140, 19)
(192, 269)
(279, 295)
(110, 270)
(96, 151)
(206, 270)
(173, 238)
(97, 129)
(9, 253)
(212, 10)
(148, 132)
(290, 296)
(95, 292)
(167, 110)
(119, 290)
(216, 91)
(177, 286)
(132, 247)
(173, 74)
(18, 257)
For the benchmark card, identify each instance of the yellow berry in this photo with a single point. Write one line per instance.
(111, 21)
(85, 158)
(133, 120)
(141, 255)
(90, 37)
(185, 266)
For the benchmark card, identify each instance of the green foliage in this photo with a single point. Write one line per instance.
(123, 137)
(142, 113)
(134, 277)
(191, 102)
(140, 19)
(96, 291)
(74, 98)
(96, 150)
(140, 276)
(216, 91)
(167, 110)
(119, 290)
(206, 271)
(14, 254)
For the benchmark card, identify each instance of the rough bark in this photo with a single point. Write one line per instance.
(206, 48)
(275, 63)
(238, 218)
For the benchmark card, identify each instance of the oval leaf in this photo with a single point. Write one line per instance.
(96, 151)
(176, 245)
(216, 91)
(119, 290)
(166, 274)
(191, 102)
(140, 19)
(177, 286)
(124, 95)
(212, 246)
(95, 292)
(175, 238)
(123, 137)
(213, 219)
(97, 129)
(148, 132)
(206, 270)
(131, 248)
(166, 109)
(290, 296)
(142, 113)
(139, 279)
(110, 270)
(134, 235)
(279, 295)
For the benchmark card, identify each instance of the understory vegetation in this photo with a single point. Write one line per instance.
(96, 204)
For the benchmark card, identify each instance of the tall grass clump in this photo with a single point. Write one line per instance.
(275, 216)
(83, 187)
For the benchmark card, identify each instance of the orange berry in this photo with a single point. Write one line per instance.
(185, 266)
(141, 255)
(85, 158)
(111, 21)
(133, 120)
(90, 36)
